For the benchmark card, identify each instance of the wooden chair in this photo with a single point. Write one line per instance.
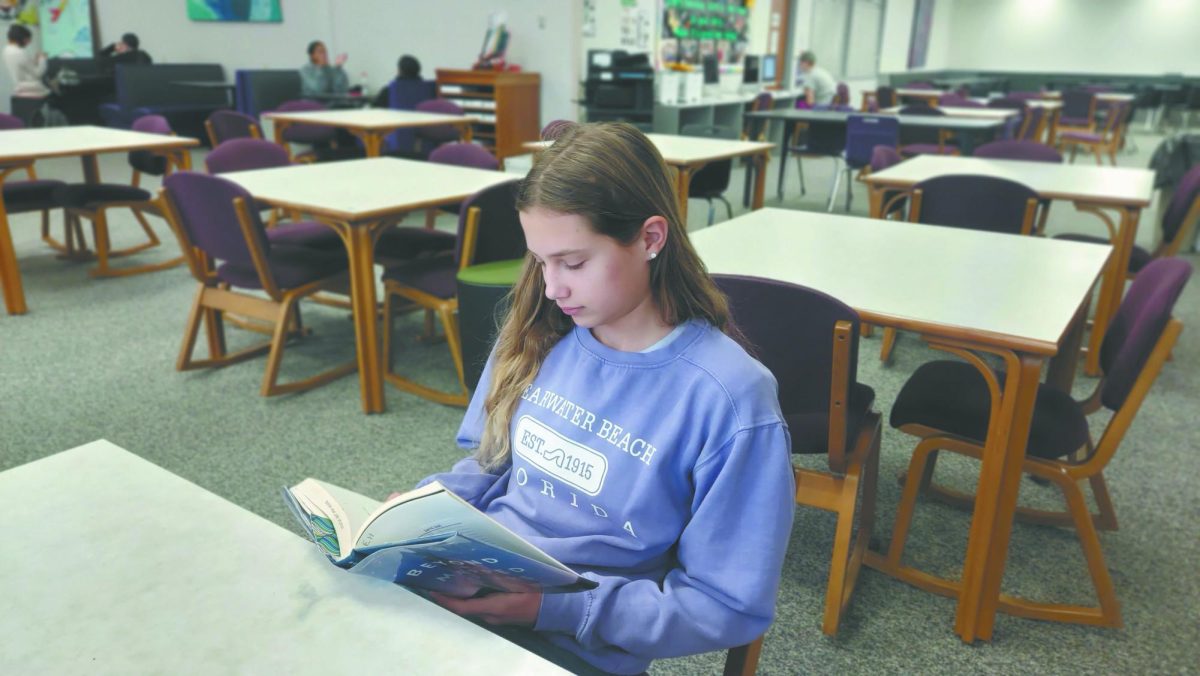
(972, 202)
(809, 341)
(91, 202)
(216, 222)
(488, 230)
(1106, 141)
(743, 660)
(226, 125)
(948, 405)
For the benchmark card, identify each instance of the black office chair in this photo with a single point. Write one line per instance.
(712, 180)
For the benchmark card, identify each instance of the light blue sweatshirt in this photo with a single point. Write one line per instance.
(665, 476)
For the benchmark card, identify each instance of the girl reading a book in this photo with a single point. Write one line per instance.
(620, 427)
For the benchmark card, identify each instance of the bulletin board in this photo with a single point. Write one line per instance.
(692, 29)
(67, 28)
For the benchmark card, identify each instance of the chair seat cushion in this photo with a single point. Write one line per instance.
(30, 195)
(1083, 136)
(435, 275)
(96, 194)
(953, 397)
(404, 243)
(810, 429)
(1138, 257)
(927, 149)
(291, 266)
(305, 233)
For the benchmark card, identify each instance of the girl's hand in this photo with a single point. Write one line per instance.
(519, 609)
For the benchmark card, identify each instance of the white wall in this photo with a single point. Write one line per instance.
(897, 36)
(1105, 36)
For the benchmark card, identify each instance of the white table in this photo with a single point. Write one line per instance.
(20, 148)
(112, 565)
(1124, 190)
(359, 199)
(1020, 299)
(689, 154)
(371, 125)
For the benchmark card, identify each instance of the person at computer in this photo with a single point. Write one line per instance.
(819, 85)
(127, 50)
(25, 66)
(318, 77)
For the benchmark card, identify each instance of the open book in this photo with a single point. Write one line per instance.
(428, 538)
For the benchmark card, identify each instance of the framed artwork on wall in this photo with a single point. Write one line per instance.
(235, 10)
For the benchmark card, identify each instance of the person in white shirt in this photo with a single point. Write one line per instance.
(819, 85)
(25, 67)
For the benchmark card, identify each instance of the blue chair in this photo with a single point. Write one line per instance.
(863, 133)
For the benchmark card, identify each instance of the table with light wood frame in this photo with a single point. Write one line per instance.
(360, 199)
(22, 147)
(121, 567)
(689, 154)
(371, 125)
(978, 295)
(1091, 189)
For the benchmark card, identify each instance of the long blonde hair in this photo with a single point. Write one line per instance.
(614, 177)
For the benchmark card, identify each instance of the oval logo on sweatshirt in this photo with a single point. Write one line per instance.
(566, 460)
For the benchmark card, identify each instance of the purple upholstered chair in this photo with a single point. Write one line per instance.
(1016, 149)
(430, 138)
(34, 194)
(809, 342)
(916, 141)
(947, 405)
(305, 133)
(555, 128)
(225, 125)
(214, 216)
(489, 229)
(893, 203)
(1033, 124)
(1107, 140)
(464, 155)
(1178, 223)
(91, 201)
(1078, 110)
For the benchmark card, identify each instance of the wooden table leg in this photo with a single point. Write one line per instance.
(1113, 286)
(279, 126)
(372, 141)
(875, 201)
(996, 498)
(760, 178)
(360, 246)
(683, 181)
(10, 273)
(1052, 134)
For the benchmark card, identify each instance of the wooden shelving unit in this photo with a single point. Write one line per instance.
(507, 104)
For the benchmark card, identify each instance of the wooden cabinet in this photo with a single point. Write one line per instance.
(507, 105)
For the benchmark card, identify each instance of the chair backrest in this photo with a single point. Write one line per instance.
(8, 122)
(1016, 149)
(886, 97)
(205, 215)
(497, 233)
(713, 178)
(1114, 120)
(755, 129)
(975, 203)
(148, 161)
(793, 330)
(1183, 209)
(464, 155)
(865, 132)
(1032, 124)
(883, 157)
(843, 94)
(441, 133)
(553, 128)
(305, 133)
(224, 125)
(1138, 324)
(245, 154)
(1077, 103)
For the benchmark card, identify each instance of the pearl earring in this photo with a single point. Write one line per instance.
(653, 255)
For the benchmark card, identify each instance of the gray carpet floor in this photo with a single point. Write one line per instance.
(95, 359)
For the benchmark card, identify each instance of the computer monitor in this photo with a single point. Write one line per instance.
(750, 70)
(712, 73)
(767, 69)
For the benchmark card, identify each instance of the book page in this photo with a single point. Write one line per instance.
(345, 510)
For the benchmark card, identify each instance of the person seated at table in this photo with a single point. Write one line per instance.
(620, 355)
(819, 85)
(127, 50)
(317, 77)
(25, 66)
(407, 68)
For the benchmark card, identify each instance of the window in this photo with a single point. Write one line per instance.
(847, 35)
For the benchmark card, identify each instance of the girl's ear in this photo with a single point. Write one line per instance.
(654, 234)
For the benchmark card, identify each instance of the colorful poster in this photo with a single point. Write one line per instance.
(66, 27)
(235, 10)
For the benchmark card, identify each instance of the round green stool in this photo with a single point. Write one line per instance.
(482, 304)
